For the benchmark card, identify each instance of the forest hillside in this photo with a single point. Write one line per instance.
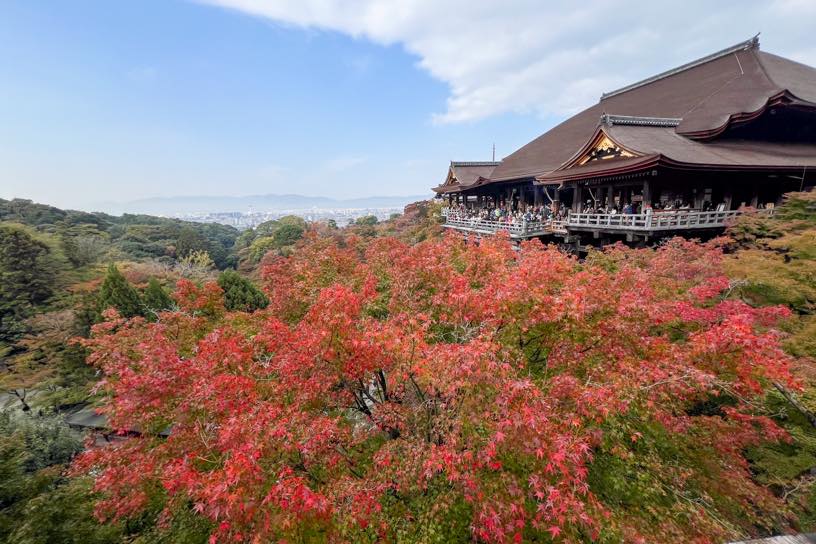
(387, 382)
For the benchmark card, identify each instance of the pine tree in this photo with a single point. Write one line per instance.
(190, 241)
(156, 298)
(240, 294)
(117, 292)
(24, 278)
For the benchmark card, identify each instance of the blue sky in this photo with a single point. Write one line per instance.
(116, 100)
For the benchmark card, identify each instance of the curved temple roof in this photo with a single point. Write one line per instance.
(671, 115)
(462, 175)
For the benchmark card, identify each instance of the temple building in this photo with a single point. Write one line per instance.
(685, 150)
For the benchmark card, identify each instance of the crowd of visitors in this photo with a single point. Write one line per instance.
(529, 215)
(660, 206)
(506, 215)
(600, 207)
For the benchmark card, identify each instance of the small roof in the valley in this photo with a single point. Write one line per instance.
(671, 113)
(87, 417)
(784, 539)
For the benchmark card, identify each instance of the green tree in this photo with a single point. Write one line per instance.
(190, 241)
(240, 294)
(156, 298)
(117, 292)
(62, 513)
(260, 247)
(287, 234)
(38, 505)
(25, 278)
(773, 261)
(366, 220)
(84, 250)
(245, 239)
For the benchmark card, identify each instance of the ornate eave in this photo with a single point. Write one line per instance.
(783, 98)
(600, 147)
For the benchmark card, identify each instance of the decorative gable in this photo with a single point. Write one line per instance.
(451, 179)
(603, 148)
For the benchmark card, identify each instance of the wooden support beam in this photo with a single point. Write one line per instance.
(727, 199)
(576, 199)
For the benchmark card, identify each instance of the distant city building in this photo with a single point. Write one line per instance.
(251, 219)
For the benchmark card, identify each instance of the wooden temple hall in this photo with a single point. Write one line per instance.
(680, 152)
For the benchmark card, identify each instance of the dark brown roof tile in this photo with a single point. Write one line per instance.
(703, 95)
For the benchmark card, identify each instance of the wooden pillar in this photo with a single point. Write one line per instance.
(647, 193)
(556, 203)
(727, 197)
(754, 194)
(577, 199)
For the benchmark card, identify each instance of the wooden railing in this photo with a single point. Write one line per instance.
(673, 220)
(643, 222)
(516, 229)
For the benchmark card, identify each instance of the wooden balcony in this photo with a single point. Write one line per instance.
(644, 223)
(652, 222)
(517, 230)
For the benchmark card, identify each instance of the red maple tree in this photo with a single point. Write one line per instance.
(393, 392)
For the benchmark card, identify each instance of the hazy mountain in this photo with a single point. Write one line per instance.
(191, 204)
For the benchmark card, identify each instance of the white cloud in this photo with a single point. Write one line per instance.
(546, 57)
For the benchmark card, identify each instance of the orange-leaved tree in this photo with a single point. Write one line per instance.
(447, 392)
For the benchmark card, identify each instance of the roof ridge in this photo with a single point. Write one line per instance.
(765, 70)
(753, 43)
(633, 120)
(474, 163)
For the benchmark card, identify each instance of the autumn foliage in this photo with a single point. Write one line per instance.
(448, 392)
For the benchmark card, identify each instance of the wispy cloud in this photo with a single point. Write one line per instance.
(341, 164)
(554, 57)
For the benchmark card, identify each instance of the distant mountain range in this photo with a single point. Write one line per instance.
(260, 203)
